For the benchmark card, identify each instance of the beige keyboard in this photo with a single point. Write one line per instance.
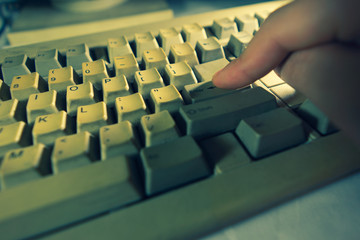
(123, 135)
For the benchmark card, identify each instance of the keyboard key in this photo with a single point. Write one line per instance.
(155, 58)
(288, 95)
(261, 16)
(272, 79)
(187, 164)
(130, 108)
(238, 43)
(183, 52)
(118, 47)
(91, 117)
(165, 98)
(4, 91)
(118, 139)
(94, 72)
(24, 85)
(144, 41)
(205, 71)
(76, 55)
(247, 23)
(316, 118)
(203, 91)
(46, 60)
(25, 164)
(79, 95)
(158, 128)
(270, 132)
(11, 111)
(224, 27)
(146, 80)
(73, 151)
(193, 33)
(168, 37)
(224, 153)
(12, 136)
(113, 88)
(14, 66)
(43, 104)
(209, 49)
(215, 116)
(59, 79)
(126, 65)
(179, 74)
(47, 128)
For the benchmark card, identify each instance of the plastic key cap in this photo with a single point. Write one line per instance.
(130, 108)
(59, 79)
(73, 151)
(91, 117)
(126, 65)
(118, 139)
(238, 43)
(205, 90)
(172, 164)
(47, 128)
(205, 71)
(168, 37)
(247, 23)
(215, 116)
(42, 104)
(270, 132)
(193, 33)
(166, 98)
(146, 80)
(14, 136)
(10, 112)
(79, 95)
(14, 66)
(155, 58)
(209, 49)
(113, 88)
(183, 52)
(144, 41)
(46, 60)
(76, 55)
(118, 47)
(179, 74)
(24, 85)
(94, 72)
(158, 128)
(224, 27)
(25, 164)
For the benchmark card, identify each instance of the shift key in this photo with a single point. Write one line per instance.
(222, 114)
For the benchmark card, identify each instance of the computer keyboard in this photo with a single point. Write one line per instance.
(122, 135)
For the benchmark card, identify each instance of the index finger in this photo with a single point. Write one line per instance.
(298, 25)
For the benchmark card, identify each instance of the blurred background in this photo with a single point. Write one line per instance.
(24, 21)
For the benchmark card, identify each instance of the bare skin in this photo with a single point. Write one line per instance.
(314, 45)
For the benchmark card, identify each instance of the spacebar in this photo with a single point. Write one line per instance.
(39, 206)
(211, 204)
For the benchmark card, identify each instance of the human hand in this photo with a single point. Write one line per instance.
(315, 47)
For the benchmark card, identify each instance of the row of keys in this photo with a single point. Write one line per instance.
(262, 128)
(127, 105)
(195, 35)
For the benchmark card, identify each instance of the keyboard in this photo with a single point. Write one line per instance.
(122, 134)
